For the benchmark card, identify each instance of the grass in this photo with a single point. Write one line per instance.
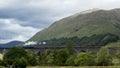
(75, 67)
(114, 44)
(2, 67)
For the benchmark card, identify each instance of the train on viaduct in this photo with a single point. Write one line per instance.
(37, 49)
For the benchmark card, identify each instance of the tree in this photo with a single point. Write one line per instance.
(70, 61)
(50, 58)
(61, 57)
(42, 59)
(33, 59)
(19, 58)
(70, 48)
(103, 59)
(13, 53)
(84, 59)
(108, 38)
(55, 52)
(2, 63)
(20, 63)
(118, 55)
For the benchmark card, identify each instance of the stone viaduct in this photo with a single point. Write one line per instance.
(42, 49)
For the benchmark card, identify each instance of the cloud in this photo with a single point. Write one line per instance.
(20, 19)
(13, 31)
(39, 13)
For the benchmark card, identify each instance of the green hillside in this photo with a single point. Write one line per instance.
(114, 44)
(82, 24)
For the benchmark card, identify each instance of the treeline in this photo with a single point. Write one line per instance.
(101, 39)
(20, 58)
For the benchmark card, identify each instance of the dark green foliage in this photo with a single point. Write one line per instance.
(84, 59)
(2, 63)
(100, 39)
(19, 58)
(118, 55)
(14, 53)
(69, 47)
(50, 58)
(55, 52)
(42, 59)
(33, 59)
(61, 57)
(20, 63)
(108, 38)
(70, 60)
(103, 58)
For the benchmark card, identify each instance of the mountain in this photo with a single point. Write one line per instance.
(86, 23)
(10, 44)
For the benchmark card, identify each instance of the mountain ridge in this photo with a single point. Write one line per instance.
(10, 44)
(97, 22)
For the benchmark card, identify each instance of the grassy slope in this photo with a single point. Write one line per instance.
(115, 44)
(98, 22)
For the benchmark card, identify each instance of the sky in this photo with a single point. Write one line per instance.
(21, 19)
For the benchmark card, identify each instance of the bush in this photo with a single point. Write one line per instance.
(103, 59)
(49, 58)
(26, 58)
(1, 63)
(70, 61)
(84, 59)
(20, 63)
(118, 55)
(13, 54)
(61, 57)
(32, 59)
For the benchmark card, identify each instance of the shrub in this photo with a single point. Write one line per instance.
(70, 61)
(20, 63)
(103, 59)
(84, 59)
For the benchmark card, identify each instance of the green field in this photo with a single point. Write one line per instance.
(75, 67)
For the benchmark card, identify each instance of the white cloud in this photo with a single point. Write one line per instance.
(53, 5)
(21, 33)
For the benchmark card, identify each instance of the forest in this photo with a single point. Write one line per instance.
(94, 40)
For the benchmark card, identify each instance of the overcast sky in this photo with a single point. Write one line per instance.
(21, 19)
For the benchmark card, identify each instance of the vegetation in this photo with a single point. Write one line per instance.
(19, 63)
(113, 44)
(103, 59)
(19, 58)
(50, 58)
(96, 28)
(84, 59)
(81, 25)
(75, 67)
(95, 40)
(70, 61)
